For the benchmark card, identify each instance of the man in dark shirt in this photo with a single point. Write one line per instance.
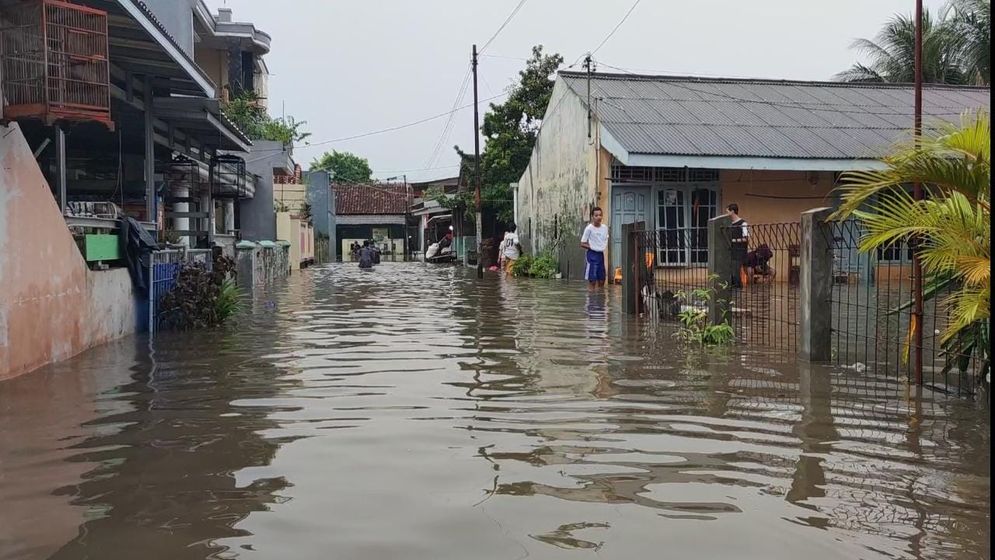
(366, 256)
(740, 237)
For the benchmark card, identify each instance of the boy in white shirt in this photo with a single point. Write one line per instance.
(510, 250)
(595, 240)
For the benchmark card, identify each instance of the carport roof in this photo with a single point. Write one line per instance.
(745, 118)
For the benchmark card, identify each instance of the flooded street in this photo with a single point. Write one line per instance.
(417, 413)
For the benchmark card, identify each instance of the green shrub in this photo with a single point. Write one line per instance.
(544, 266)
(201, 298)
(522, 266)
(695, 328)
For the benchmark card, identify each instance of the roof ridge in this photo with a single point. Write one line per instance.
(768, 81)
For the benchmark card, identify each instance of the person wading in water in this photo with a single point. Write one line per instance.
(366, 257)
(595, 240)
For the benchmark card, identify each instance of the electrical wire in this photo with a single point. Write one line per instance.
(447, 129)
(507, 20)
(373, 132)
(614, 29)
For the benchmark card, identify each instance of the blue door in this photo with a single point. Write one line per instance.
(629, 205)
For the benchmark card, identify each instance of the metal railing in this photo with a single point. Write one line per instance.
(164, 269)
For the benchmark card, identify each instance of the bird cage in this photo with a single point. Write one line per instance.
(228, 177)
(53, 62)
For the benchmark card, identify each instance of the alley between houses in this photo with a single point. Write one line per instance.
(416, 412)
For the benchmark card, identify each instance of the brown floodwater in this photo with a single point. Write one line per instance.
(417, 413)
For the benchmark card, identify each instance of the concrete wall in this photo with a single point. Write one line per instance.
(258, 215)
(214, 62)
(52, 306)
(561, 183)
(300, 236)
(770, 197)
(177, 17)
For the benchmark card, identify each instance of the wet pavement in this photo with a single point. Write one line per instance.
(417, 413)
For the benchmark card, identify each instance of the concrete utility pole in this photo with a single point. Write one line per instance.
(587, 66)
(917, 312)
(476, 168)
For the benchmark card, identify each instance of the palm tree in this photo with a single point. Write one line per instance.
(892, 53)
(951, 226)
(971, 20)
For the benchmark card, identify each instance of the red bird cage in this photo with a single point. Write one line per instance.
(53, 62)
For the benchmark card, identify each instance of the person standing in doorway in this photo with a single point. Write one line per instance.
(595, 240)
(739, 236)
(510, 249)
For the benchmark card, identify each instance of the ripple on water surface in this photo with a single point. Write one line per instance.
(416, 412)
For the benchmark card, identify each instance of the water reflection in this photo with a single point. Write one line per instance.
(418, 413)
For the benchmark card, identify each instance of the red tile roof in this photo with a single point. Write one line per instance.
(373, 198)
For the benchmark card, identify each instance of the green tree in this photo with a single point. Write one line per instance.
(510, 130)
(951, 226)
(892, 53)
(972, 22)
(345, 167)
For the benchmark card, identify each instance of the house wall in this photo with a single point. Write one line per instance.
(214, 62)
(258, 215)
(770, 197)
(52, 306)
(177, 17)
(561, 183)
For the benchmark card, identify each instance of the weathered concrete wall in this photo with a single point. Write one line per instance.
(51, 306)
(561, 183)
(258, 264)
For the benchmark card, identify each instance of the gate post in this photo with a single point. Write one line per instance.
(719, 268)
(815, 309)
(245, 266)
(630, 287)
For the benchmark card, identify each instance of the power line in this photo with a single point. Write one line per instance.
(617, 26)
(376, 132)
(447, 129)
(507, 20)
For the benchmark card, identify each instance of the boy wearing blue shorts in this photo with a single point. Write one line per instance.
(595, 240)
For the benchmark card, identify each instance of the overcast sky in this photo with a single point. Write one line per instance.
(349, 67)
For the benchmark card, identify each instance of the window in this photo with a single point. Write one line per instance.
(683, 212)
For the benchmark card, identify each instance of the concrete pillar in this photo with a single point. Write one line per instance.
(630, 278)
(229, 216)
(815, 309)
(720, 268)
(181, 224)
(205, 206)
(245, 266)
(149, 152)
(61, 166)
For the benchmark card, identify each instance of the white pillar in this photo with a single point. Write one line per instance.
(205, 206)
(181, 224)
(421, 235)
(229, 216)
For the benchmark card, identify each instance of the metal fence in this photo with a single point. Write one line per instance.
(164, 268)
(766, 273)
(673, 276)
(872, 315)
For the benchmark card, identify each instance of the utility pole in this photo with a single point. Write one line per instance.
(917, 311)
(587, 66)
(476, 167)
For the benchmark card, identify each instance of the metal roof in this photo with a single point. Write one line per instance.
(686, 116)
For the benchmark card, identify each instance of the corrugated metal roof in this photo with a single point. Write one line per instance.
(675, 115)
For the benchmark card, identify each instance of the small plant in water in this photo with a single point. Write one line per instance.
(695, 328)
